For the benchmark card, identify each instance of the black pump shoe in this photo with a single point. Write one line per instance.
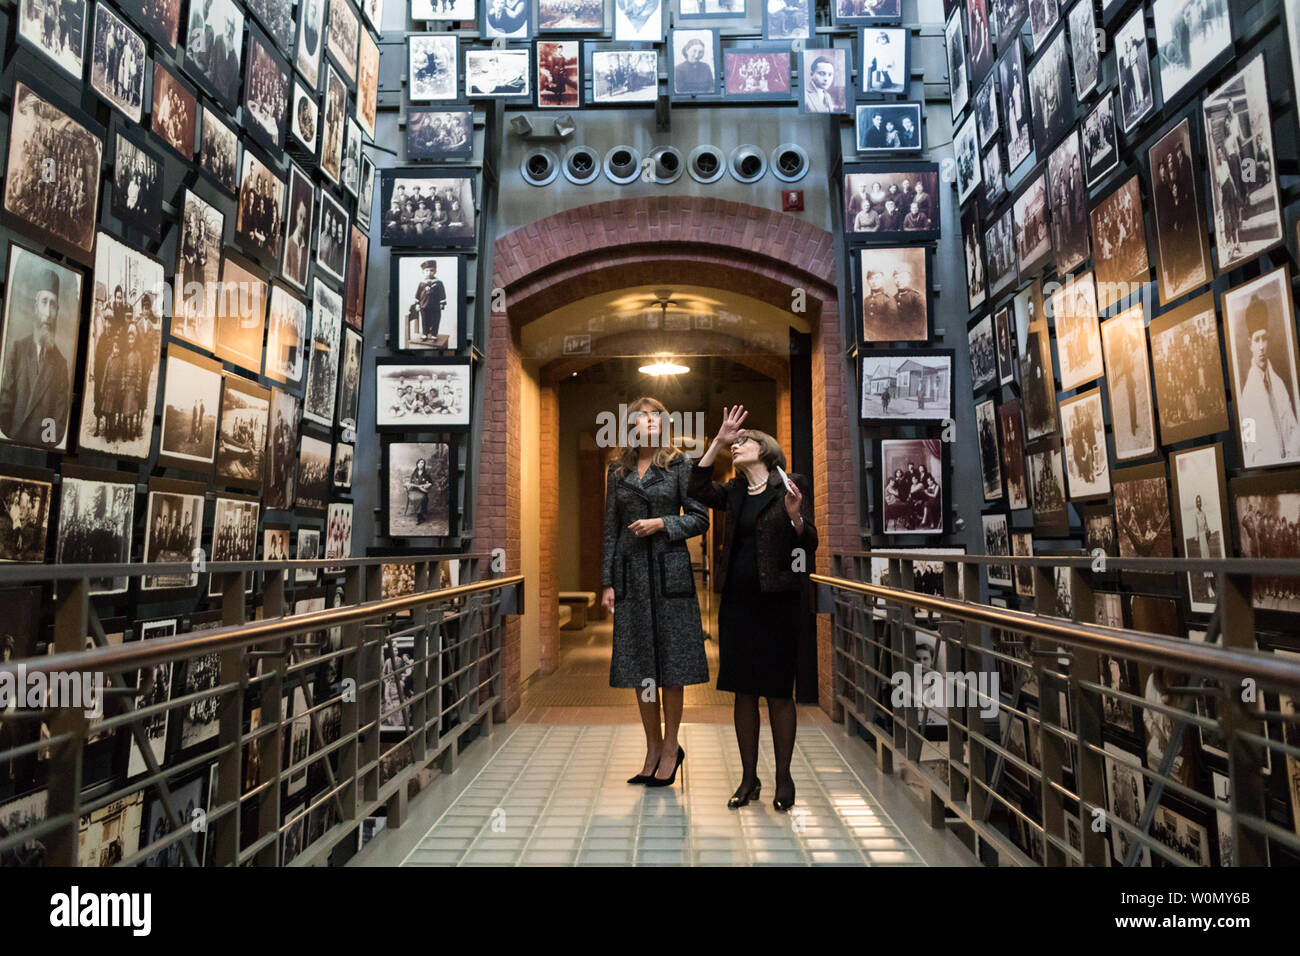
(639, 778)
(657, 782)
(738, 800)
(783, 803)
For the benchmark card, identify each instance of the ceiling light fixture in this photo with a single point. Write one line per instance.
(664, 366)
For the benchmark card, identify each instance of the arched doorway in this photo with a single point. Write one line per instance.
(780, 261)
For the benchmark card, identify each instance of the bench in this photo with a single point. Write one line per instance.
(577, 602)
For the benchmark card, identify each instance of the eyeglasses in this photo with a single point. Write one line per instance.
(741, 441)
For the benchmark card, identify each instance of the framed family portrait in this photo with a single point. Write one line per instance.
(1000, 244)
(1051, 96)
(1033, 238)
(436, 132)
(427, 393)
(282, 450)
(259, 218)
(453, 10)
(906, 385)
(137, 182)
(96, 521)
(1137, 98)
(912, 497)
(118, 61)
(427, 207)
(1100, 142)
(1069, 204)
(1189, 38)
(986, 427)
(889, 128)
(1083, 433)
(891, 201)
(1047, 488)
(428, 301)
(1267, 511)
(1084, 52)
(28, 494)
(174, 116)
(297, 239)
(311, 31)
(1078, 340)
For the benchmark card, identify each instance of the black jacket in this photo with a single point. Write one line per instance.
(776, 537)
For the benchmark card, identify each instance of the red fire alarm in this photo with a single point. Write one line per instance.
(792, 200)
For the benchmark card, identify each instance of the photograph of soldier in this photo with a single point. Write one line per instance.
(137, 186)
(1136, 97)
(123, 351)
(558, 81)
(1188, 371)
(427, 290)
(440, 133)
(895, 283)
(241, 442)
(266, 93)
(882, 204)
(1128, 381)
(1083, 430)
(341, 38)
(282, 451)
(349, 379)
(1182, 253)
(1119, 245)
(259, 221)
(117, 63)
(95, 522)
(175, 111)
(313, 474)
(983, 355)
(912, 485)
(354, 288)
(219, 151)
(584, 15)
(214, 47)
(427, 211)
(24, 518)
(432, 66)
(990, 456)
(420, 395)
(38, 350)
(332, 237)
(297, 237)
(57, 29)
(1069, 204)
(61, 207)
(191, 397)
(419, 500)
(172, 530)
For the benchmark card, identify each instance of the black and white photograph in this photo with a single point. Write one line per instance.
(1013, 453)
(1043, 16)
(354, 284)
(323, 360)
(1119, 245)
(96, 516)
(911, 493)
(123, 349)
(979, 39)
(428, 301)
(276, 17)
(906, 386)
(986, 426)
(428, 393)
(241, 439)
(1033, 237)
(1242, 172)
(344, 459)
(349, 379)
(38, 349)
(1083, 47)
(1051, 97)
(845, 11)
(825, 76)
(332, 237)
(983, 355)
(439, 133)
(973, 257)
(508, 19)
(1185, 837)
(137, 184)
(958, 80)
(266, 93)
(501, 73)
(418, 485)
(200, 719)
(241, 312)
(728, 8)
(333, 125)
(366, 192)
(1100, 143)
(259, 222)
(191, 399)
(154, 687)
(1083, 436)
(696, 57)
(1000, 244)
(427, 209)
(338, 532)
(895, 304)
(1143, 522)
(885, 66)
(1182, 253)
(433, 64)
(643, 20)
(341, 28)
(1022, 546)
(1004, 339)
(623, 76)
(56, 29)
(26, 496)
(1014, 93)
(1188, 371)
(558, 83)
(1069, 205)
(173, 530)
(1200, 503)
(214, 48)
(311, 30)
(297, 238)
(234, 534)
(891, 201)
(304, 117)
(997, 540)
(313, 478)
(350, 171)
(1190, 35)
(889, 128)
(219, 151)
(310, 548)
(1137, 96)
(966, 155)
(1259, 324)
(1267, 508)
(282, 451)
(1047, 488)
(175, 112)
(1038, 383)
(1008, 18)
(1132, 420)
(60, 208)
(782, 20)
(987, 113)
(553, 16)
(1078, 341)
(117, 63)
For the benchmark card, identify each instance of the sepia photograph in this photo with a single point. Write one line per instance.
(760, 72)
(313, 475)
(304, 117)
(1136, 96)
(341, 29)
(1015, 106)
(891, 201)
(56, 29)
(958, 79)
(333, 125)
(885, 65)
(311, 27)
(1100, 142)
(241, 313)
(696, 55)
(1128, 384)
(173, 532)
(973, 257)
(1267, 508)
(259, 219)
(96, 517)
(1083, 436)
(1200, 504)
(906, 385)
(503, 73)
(1013, 453)
(354, 285)
(1047, 488)
(440, 133)
(553, 16)
(1022, 546)
(368, 83)
(344, 459)
(427, 301)
(1078, 341)
(1051, 97)
(558, 83)
(1242, 174)
(428, 393)
(911, 493)
(1033, 237)
(234, 535)
(986, 110)
(997, 541)
(1190, 35)
(175, 112)
(241, 440)
(276, 17)
(427, 208)
(123, 349)
(1259, 324)
(419, 489)
(1182, 253)
(266, 93)
(1142, 516)
(219, 151)
(892, 128)
(191, 399)
(1119, 245)
(282, 451)
(1084, 50)
(1038, 383)
(332, 237)
(895, 301)
(338, 532)
(286, 332)
(297, 238)
(643, 20)
(1000, 244)
(137, 184)
(1069, 205)
(986, 425)
(1188, 370)
(1004, 339)
(57, 209)
(118, 60)
(966, 153)
(983, 355)
(214, 48)
(349, 380)
(323, 360)
(199, 271)
(433, 65)
(26, 495)
(38, 349)
(979, 39)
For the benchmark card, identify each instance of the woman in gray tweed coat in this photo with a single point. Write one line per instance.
(649, 584)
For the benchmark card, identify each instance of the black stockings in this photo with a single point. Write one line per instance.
(781, 714)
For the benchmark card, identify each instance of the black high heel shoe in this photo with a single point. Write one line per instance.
(782, 804)
(738, 800)
(657, 782)
(643, 777)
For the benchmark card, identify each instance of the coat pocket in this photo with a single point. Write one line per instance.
(676, 579)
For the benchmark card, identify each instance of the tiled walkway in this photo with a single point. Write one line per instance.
(556, 794)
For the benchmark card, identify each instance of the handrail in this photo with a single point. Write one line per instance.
(1085, 560)
(135, 654)
(1152, 648)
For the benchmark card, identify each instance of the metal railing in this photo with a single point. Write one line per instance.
(1082, 751)
(296, 726)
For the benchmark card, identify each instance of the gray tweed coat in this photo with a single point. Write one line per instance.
(657, 630)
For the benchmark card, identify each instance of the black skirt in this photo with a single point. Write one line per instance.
(758, 638)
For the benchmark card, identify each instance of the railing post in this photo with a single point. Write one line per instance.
(1245, 761)
(70, 623)
(354, 592)
(230, 769)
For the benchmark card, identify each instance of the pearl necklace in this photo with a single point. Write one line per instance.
(762, 484)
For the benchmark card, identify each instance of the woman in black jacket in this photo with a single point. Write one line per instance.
(768, 548)
(649, 584)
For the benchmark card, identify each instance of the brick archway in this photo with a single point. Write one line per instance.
(608, 246)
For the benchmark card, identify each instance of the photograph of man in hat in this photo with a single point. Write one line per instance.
(1267, 403)
(35, 387)
(430, 300)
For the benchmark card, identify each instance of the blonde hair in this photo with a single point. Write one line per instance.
(626, 458)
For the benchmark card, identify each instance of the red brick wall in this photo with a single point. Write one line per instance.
(612, 245)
